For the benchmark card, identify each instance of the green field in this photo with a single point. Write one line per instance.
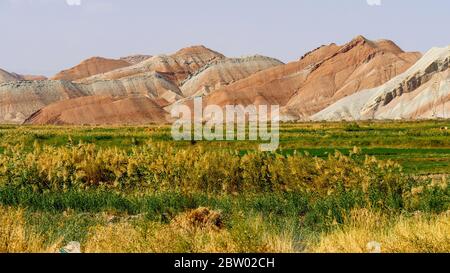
(328, 185)
(420, 147)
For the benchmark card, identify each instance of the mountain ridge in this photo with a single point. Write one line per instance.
(305, 89)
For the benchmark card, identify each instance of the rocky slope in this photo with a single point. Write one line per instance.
(18, 100)
(224, 72)
(5, 76)
(319, 78)
(150, 84)
(422, 92)
(359, 65)
(176, 67)
(154, 85)
(135, 59)
(92, 110)
(31, 77)
(90, 67)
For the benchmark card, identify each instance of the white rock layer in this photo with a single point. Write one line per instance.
(422, 92)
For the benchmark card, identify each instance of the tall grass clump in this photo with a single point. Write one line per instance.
(14, 236)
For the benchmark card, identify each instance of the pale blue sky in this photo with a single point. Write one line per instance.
(45, 36)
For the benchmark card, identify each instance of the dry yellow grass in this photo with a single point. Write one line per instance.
(202, 231)
(197, 231)
(13, 236)
(418, 234)
(125, 238)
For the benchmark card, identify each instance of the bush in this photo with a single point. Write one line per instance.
(161, 168)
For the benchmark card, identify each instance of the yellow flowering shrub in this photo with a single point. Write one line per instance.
(157, 167)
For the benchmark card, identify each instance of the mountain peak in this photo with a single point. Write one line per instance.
(198, 50)
(360, 38)
(90, 67)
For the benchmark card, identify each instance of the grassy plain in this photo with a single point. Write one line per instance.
(331, 187)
